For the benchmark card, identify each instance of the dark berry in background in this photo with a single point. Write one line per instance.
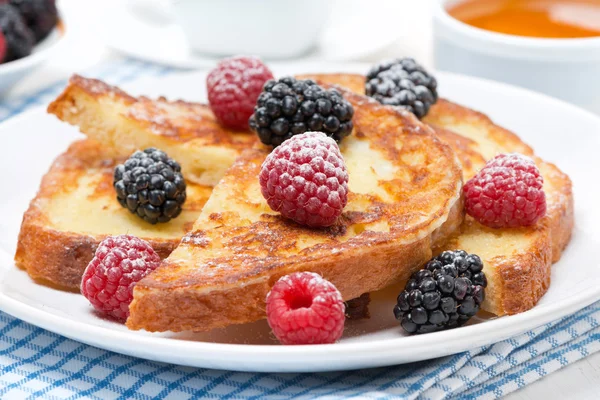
(402, 83)
(19, 38)
(41, 16)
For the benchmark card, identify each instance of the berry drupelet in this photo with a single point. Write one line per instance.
(150, 184)
(445, 294)
(402, 83)
(289, 107)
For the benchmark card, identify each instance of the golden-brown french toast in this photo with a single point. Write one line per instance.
(188, 132)
(76, 207)
(517, 261)
(405, 197)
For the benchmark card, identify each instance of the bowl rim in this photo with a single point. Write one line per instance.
(567, 49)
(38, 56)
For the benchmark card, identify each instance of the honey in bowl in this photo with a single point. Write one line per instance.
(533, 18)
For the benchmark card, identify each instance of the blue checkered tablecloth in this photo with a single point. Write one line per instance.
(35, 363)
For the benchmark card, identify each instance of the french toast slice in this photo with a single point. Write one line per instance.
(76, 208)
(517, 261)
(405, 198)
(188, 132)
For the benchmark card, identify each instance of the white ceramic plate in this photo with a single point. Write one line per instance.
(144, 33)
(561, 133)
(12, 72)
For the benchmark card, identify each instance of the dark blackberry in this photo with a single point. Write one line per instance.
(150, 185)
(402, 83)
(289, 107)
(446, 293)
(19, 38)
(41, 16)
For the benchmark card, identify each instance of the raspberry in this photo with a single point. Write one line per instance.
(119, 263)
(305, 179)
(304, 308)
(233, 87)
(507, 192)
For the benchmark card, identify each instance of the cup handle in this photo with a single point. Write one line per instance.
(157, 12)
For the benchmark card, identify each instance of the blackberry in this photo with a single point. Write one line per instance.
(289, 107)
(41, 16)
(19, 38)
(150, 185)
(445, 294)
(402, 83)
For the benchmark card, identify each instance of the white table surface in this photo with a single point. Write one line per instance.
(580, 380)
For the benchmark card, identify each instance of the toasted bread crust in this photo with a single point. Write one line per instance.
(188, 132)
(59, 257)
(157, 309)
(521, 279)
(151, 113)
(250, 251)
(517, 281)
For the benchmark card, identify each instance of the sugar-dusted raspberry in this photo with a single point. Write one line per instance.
(233, 87)
(119, 263)
(305, 179)
(304, 308)
(507, 192)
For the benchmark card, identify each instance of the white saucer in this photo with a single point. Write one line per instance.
(357, 28)
(560, 133)
(13, 71)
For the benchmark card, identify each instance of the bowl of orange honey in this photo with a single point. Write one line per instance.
(551, 46)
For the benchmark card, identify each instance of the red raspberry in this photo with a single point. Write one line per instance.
(119, 263)
(304, 308)
(507, 192)
(2, 45)
(233, 87)
(306, 180)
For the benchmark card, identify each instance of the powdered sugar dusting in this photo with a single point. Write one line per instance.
(195, 239)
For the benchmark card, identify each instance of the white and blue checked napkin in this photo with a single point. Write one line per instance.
(35, 363)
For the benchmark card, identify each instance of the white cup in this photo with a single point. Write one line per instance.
(266, 28)
(568, 69)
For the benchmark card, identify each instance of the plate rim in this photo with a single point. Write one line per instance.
(504, 327)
